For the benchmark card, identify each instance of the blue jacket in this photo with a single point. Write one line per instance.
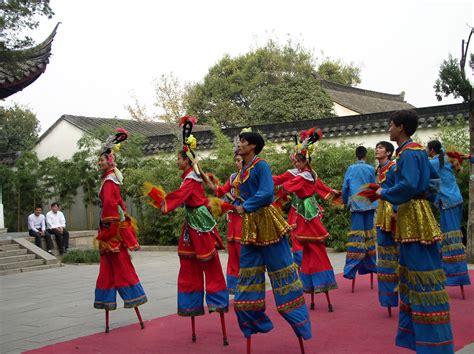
(356, 175)
(449, 195)
(257, 189)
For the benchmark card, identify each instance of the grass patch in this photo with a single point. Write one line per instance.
(82, 256)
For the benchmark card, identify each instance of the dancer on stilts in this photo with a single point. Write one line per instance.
(230, 192)
(387, 248)
(199, 241)
(424, 322)
(317, 274)
(361, 255)
(449, 201)
(264, 246)
(117, 235)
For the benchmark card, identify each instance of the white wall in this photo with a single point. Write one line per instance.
(341, 111)
(61, 142)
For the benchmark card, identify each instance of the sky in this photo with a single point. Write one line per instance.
(106, 50)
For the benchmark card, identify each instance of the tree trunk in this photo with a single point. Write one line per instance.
(470, 222)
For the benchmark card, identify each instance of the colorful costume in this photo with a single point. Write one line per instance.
(234, 231)
(296, 246)
(264, 246)
(387, 248)
(424, 322)
(361, 241)
(449, 201)
(316, 273)
(117, 233)
(197, 250)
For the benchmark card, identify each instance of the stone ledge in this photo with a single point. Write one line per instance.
(32, 248)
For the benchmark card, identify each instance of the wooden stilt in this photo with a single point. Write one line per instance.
(137, 311)
(106, 321)
(300, 339)
(224, 332)
(353, 284)
(249, 345)
(193, 328)
(312, 300)
(330, 309)
(371, 280)
(462, 292)
(389, 311)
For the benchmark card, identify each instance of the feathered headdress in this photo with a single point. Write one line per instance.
(307, 140)
(111, 145)
(189, 141)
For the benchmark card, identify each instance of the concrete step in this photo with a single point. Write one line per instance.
(20, 258)
(17, 252)
(5, 242)
(9, 247)
(22, 264)
(29, 269)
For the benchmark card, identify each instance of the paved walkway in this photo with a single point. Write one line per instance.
(54, 305)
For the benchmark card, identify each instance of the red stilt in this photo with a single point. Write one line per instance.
(137, 311)
(462, 292)
(193, 327)
(249, 344)
(106, 321)
(371, 280)
(312, 300)
(389, 311)
(353, 284)
(224, 332)
(330, 309)
(300, 339)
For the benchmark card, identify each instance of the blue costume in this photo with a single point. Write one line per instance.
(424, 322)
(263, 245)
(361, 241)
(449, 201)
(387, 248)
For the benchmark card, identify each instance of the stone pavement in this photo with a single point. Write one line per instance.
(55, 305)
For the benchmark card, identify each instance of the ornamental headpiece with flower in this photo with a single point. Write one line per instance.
(307, 140)
(189, 141)
(111, 146)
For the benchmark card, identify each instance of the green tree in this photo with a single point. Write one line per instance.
(339, 72)
(19, 129)
(17, 16)
(242, 90)
(451, 81)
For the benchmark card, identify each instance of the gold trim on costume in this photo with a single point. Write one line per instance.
(416, 223)
(383, 218)
(263, 227)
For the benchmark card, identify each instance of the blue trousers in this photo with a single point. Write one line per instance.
(387, 264)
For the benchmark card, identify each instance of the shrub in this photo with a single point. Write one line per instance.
(89, 256)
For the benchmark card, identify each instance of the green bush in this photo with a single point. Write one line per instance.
(90, 255)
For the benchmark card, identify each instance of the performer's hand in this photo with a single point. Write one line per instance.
(211, 185)
(394, 215)
(240, 209)
(379, 192)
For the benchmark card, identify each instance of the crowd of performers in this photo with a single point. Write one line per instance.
(393, 234)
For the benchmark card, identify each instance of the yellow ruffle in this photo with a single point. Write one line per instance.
(427, 280)
(263, 227)
(431, 298)
(383, 218)
(416, 223)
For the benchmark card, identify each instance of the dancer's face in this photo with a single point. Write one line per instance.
(381, 152)
(395, 131)
(245, 148)
(103, 163)
(238, 162)
(182, 163)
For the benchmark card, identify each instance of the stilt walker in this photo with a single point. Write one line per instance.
(361, 255)
(200, 266)
(424, 322)
(449, 202)
(265, 247)
(387, 248)
(117, 236)
(317, 274)
(230, 193)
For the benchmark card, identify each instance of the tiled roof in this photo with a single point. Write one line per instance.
(147, 129)
(364, 101)
(26, 67)
(333, 127)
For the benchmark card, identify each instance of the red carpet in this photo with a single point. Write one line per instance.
(357, 325)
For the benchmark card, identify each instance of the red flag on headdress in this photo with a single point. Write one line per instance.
(191, 119)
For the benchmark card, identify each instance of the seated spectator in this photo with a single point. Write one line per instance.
(37, 228)
(56, 223)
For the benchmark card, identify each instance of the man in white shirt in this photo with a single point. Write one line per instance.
(37, 228)
(56, 223)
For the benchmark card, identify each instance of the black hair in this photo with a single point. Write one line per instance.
(388, 147)
(408, 118)
(253, 138)
(183, 154)
(54, 203)
(361, 152)
(38, 206)
(436, 146)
